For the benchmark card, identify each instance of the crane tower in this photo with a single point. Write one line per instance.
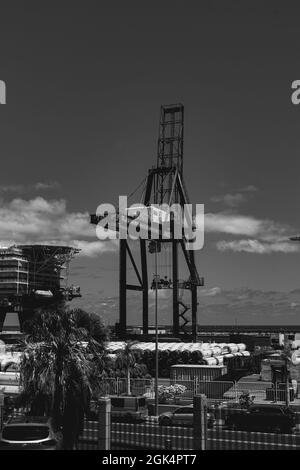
(163, 185)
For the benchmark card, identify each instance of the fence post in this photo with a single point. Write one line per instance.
(104, 412)
(200, 422)
(168, 444)
(1, 409)
(236, 391)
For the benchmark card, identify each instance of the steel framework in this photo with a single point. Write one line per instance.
(164, 185)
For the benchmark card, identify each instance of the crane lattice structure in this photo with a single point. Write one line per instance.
(164, 185)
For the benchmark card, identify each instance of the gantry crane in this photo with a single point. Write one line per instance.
(163, 185)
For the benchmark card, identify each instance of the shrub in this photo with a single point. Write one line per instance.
(171, 392)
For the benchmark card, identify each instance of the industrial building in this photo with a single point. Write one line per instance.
(32, 276)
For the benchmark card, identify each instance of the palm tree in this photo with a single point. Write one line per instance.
(60, 370)
(126, 359)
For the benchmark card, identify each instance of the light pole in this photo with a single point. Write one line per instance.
(287, 353)
(156, 333)
(287, 381)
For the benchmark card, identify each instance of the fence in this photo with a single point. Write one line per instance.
(121, 386)
(154, 437)
(150, 436)
(89, 438)
(215, 391)
(223, 439)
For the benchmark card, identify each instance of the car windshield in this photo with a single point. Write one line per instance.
(25, 433)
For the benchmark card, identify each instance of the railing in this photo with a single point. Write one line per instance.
(152, 436)
(220, 438)
(215, 391)
(122, 386)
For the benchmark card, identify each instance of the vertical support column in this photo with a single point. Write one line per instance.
(145, 286)
(194, 312)
(104, 419)
(193, 274)
(1, 409)
(122, 288)
(175, 281)
(200, 422)
(2, 316)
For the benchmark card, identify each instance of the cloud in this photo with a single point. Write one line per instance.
(22, 188)
(46, 186)
(255, 246)
(263, 236)
(232, 224)
(47, 221)
(11, 188)
(210, 292)
(92, 249)
(233, 200)
(249, 188)
(230, 200)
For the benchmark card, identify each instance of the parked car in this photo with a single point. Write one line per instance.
(183, 416)
(124, 408)
(30, 433)
(276, 418)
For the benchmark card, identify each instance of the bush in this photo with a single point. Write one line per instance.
(167, 393)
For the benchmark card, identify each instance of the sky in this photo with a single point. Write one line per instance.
(84, 88)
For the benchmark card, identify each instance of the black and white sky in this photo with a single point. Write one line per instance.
(85, 81)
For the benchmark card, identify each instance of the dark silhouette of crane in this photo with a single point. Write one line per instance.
(164, 185)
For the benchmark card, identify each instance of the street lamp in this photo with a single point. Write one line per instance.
(287, 353)
(154, 247)
(156, 333)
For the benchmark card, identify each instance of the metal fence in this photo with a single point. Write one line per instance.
(216, 391)
(220, 438)
(122, 386)
(89, 438)
(154, 437)
(150, 436)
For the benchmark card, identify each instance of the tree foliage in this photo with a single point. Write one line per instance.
(61, 368)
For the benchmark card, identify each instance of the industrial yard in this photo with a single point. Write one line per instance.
(149, 230)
